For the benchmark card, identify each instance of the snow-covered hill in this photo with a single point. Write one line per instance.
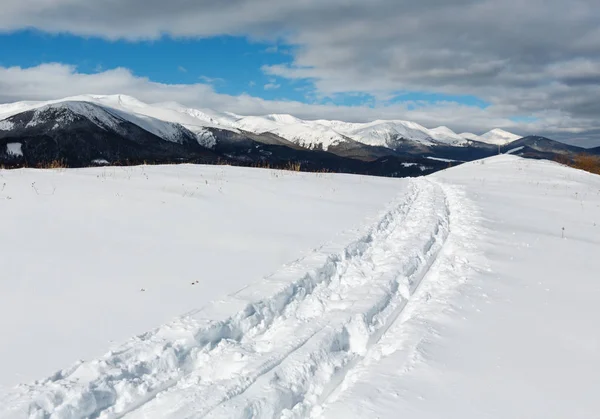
(496, 137)
(473, 293)
(161, 121)
(82, 243)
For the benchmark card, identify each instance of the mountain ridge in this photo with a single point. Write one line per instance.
(308, 133)
(82, 130)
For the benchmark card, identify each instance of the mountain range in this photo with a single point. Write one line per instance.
(118, 129)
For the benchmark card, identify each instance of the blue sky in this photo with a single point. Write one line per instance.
(448, 62)
(231, 65)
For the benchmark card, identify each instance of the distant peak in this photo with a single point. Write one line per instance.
(283, 118)
(500, 131)
(469, 135)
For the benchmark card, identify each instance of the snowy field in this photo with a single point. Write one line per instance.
(78, 246)
(471, 293)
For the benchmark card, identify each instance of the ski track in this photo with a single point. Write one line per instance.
(405, 338)
(277, 348)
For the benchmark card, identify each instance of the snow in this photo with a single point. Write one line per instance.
(441, 159)
(447, 136)
(514, 150)
(307, 134)
(498, 137)
(381, 133)
(6, 125)
(472, 294)
(96, 114)
(310, 136)
(117, 230)
(14, 149)
(100, 161)
(469, 136)
(257, 124)
(327, 133)
(505, 324)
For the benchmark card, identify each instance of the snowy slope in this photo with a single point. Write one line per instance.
(472, 295)
(310, 135)
(496, 137)
(447, 136)
(505, 325)
(307, 134)
(384, 133)
(469, 136)
(114, 231)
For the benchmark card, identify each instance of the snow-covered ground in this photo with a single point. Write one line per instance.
(473, 294)
(505, 325)
(77, 247)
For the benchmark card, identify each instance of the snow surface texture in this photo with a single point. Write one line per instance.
(160, 119)
(473, 295)
(323, 312)
(505, 324)
(81, 244)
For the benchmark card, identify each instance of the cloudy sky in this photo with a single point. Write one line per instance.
(532, 67)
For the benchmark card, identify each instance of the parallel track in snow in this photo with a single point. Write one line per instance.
(276, 348)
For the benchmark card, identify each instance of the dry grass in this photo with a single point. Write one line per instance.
(293, 166)
(262, 165)
(54, 164)
(588, 162)
(582, 161)
(289, 166)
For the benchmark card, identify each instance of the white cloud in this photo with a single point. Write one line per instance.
(52, 81)
(537, 59)
(211, 80)
(271, 86)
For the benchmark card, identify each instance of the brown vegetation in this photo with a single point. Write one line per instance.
(54, 164)
(583, 161)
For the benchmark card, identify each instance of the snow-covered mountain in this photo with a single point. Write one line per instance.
(118, 128)
(82, 132)
(324, 134)
(496, 136)
(166, 119)
(165, 123)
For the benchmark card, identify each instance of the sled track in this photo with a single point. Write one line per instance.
(276, 348)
